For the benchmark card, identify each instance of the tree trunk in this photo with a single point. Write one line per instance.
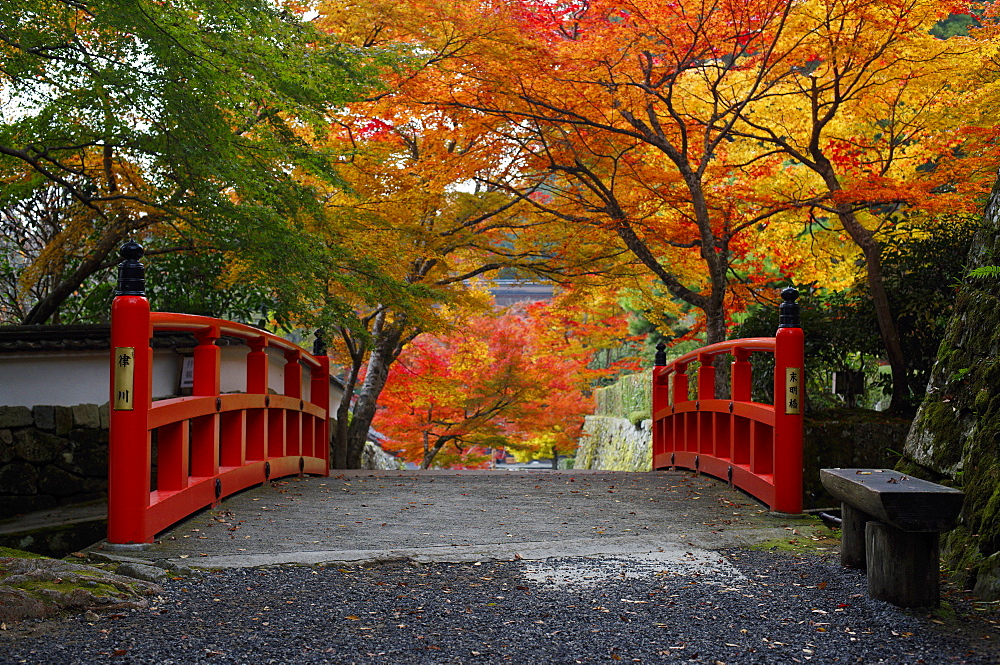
(715, 331)
(45, 308)
(886, 322)
(385, 350)
(712, 306)
(872, 252)
(434, 450)
(338, 455)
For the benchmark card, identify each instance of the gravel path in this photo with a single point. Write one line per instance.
(734, 606)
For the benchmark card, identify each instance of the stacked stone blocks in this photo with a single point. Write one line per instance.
(51, 456)
(615, 444)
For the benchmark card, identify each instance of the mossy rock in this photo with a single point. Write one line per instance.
(636, 417)
(35, 587)
(8, 552)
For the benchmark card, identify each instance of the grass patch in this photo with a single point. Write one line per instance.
(808, 536)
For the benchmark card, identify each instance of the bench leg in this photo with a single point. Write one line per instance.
(903, 567)
(852, 536)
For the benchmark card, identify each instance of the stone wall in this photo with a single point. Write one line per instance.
(955, 439)
(58, 455)
(615, 444)
(630, 397)
(52, 455)
(847, 438)
(374, 458)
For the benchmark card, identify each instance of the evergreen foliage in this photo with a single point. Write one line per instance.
(144, 113)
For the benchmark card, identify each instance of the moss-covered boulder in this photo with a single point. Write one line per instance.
(955, 438)
(33, 587)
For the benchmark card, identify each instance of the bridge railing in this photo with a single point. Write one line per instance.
(756, 447)
(208, 444)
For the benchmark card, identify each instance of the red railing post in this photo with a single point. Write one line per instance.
(207, 358)
(704, 421)
(257, 366)
(789, 393)
(205, 429)
(742, 375)
(130, 401)
(661, 399)
(319, 394)
(256, 424)
(681, 431)
(293, 388)
(680, 392)
(293, 374)
(706, 377)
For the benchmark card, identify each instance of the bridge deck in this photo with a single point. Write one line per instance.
(358, 516)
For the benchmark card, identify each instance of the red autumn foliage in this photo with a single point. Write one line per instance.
(514, 380)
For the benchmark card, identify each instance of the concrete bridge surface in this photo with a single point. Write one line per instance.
(448, 516)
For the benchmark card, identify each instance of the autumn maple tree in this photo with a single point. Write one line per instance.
(516, 380)
(876, 129)
(449, 398)
(676, 131)
(420, 208)
(614, 115)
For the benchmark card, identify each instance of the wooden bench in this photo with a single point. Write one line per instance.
(891, 527)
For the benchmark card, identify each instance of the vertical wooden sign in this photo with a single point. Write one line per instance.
(124, 377)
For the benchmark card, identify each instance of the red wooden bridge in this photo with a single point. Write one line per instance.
(208, 445)
(756, 447)
(172, 457)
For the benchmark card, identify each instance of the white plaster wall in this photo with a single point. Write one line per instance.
(166, 373)
(83, 377)
(71, 378)
(60, 379)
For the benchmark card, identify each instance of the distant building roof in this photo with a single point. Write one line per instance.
(507, 292)
(84, 337)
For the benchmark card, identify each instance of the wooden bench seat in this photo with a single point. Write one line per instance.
(891, 528)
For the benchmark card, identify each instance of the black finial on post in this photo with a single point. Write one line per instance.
(660, 359)
(319, 346)
(131, 273)
(788, 311)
